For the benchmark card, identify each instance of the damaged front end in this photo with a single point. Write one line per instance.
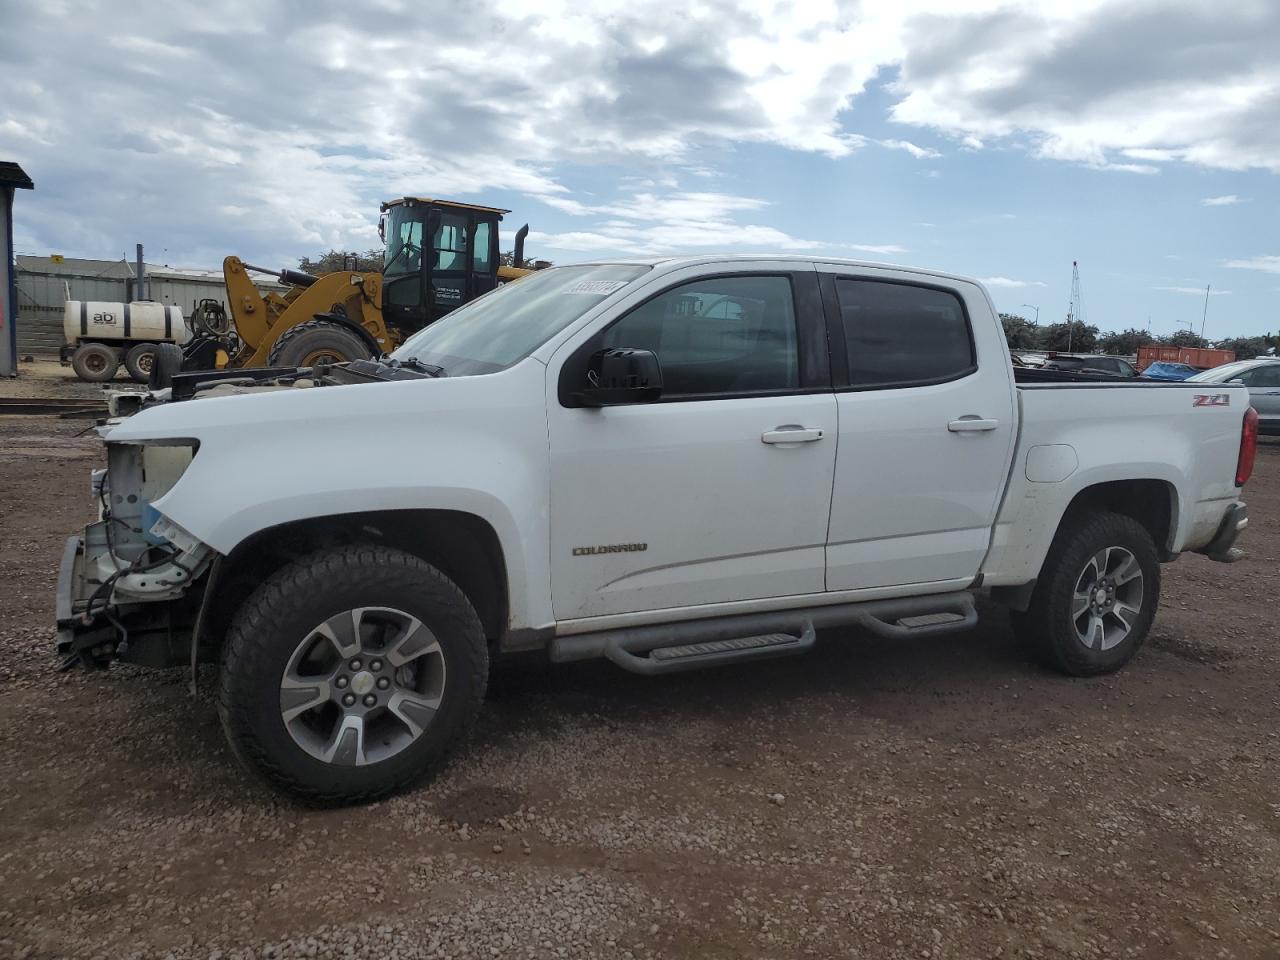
(125, 587)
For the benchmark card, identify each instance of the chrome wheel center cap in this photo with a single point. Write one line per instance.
(1100, 596)
(362, 683)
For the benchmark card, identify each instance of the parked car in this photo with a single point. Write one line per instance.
(1167, 370)
(671, 464)
(1100, 365)
(1262, 377)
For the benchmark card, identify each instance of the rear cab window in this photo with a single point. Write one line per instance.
(899, 334)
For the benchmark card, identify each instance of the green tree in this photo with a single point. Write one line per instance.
(1020, 332)
(507, 259)
(337, 260)
(1246, 348)
(1125, 343)
(1075, 337)
(1185, 338)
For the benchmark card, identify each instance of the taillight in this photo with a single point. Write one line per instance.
(1248, 447)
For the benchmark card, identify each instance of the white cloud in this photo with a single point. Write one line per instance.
(920, 153)
(1226, 200)
(651, 224)
(341, 111)
(876, 247)
(1195, 291)
(1270, 264)
(1010, 283)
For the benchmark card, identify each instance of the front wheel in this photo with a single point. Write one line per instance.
(1096, 596)
(351, 673)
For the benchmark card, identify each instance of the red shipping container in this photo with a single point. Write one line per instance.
(1202, 358)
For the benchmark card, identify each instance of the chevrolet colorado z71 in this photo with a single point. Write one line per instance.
(673, 464)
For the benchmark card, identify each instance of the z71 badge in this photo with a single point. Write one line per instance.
(1211, 400)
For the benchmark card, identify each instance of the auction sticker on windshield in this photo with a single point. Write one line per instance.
(599, 288)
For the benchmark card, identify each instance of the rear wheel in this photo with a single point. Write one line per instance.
(139, 361)
(1096, 596)
(351, 673)
(318, 341)
(95, 362)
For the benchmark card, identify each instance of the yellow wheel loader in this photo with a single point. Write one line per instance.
(438, 255)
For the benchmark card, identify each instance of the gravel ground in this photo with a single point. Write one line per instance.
(927, 799)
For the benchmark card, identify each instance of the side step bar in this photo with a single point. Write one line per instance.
(712, 653)
(693, 644)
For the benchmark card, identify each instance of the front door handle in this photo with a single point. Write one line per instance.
(972, 424)
(792, 433)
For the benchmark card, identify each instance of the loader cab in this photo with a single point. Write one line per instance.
(438, 256)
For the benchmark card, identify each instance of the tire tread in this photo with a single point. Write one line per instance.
(1050, 638)
(350, 565)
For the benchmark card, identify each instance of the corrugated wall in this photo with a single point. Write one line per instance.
(185, 293)
(40, 300)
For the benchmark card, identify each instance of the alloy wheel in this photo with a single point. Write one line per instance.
(362, 686)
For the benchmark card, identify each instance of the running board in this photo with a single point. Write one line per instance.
(693, 644)
(712, 653)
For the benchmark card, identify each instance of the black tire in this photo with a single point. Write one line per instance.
(164, 364)
(1047, 627)
(95, 362)
(271, 624)
(318, 341)
(139, 361)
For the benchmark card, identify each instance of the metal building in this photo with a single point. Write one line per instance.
(12, 178)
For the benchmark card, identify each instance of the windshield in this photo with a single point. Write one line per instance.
(404, 241)
(505, 326)
(1223, 373)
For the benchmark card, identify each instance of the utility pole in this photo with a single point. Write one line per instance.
(1036, 309)
(1206, 311)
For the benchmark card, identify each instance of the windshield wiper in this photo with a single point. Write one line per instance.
(430, 369)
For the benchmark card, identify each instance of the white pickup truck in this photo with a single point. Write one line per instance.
(673, 464)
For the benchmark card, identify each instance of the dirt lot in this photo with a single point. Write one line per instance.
(930, 799)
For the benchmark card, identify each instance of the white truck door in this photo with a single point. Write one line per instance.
(719, 491)
(925, 395)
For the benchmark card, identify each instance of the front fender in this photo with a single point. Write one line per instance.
(477, 445)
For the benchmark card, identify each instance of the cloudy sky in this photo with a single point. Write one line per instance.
(998, 139)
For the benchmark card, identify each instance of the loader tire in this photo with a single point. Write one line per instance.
(166, 362)
(1096, 596)
(351, 673)
(317, 341)
(139, 361)
(95, 362)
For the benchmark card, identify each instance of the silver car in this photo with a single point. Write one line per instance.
(1262, 377)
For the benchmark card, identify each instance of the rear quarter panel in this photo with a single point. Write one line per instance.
(1074, 436)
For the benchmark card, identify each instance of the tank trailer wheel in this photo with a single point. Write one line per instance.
(95, 362)
(139, 361)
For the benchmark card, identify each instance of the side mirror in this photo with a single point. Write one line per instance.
(621, 375)
(1239, 380)
(382, 228)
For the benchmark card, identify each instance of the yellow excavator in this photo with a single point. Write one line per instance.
(439, 254)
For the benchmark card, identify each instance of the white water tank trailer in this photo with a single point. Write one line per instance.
(101, 336)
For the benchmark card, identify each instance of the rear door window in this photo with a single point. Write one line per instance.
(1268, 376)
(902, 334)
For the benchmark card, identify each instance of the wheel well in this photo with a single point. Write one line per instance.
(461, 545)
(1150, 502)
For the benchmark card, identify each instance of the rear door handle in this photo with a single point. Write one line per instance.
(792, 434)
(972, 425)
